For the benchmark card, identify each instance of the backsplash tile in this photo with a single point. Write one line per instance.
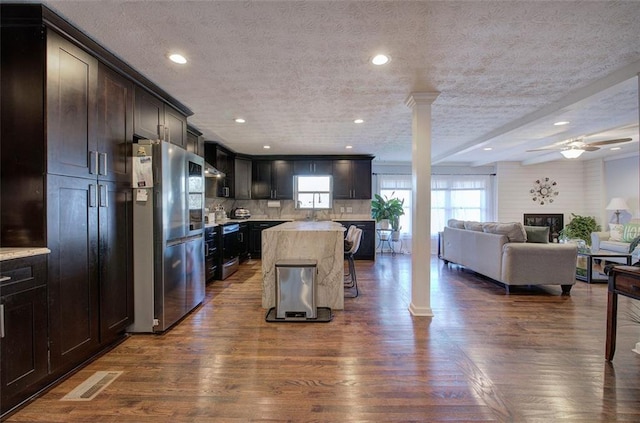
(360, 209)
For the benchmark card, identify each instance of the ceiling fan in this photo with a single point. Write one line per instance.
(574, 147)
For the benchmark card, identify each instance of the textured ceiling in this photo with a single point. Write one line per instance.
(299, 71)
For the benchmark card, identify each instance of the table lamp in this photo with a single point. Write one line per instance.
(617, 204)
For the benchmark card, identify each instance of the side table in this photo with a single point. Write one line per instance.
(623, 280)
(597, 255)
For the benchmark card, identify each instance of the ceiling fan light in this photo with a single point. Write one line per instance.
(572, 153)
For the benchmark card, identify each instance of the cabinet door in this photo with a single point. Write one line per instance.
(114, 125)
(175, 130)
(242, 173)
(72, 234)
(261, 180)
(361, 179)
(148, 114)
(282, 180)
(367, 248)
(192, 143)
(312, 167)
(243, 241)
(342, 179)
(225, 163)
(115, 263)
(23, 346)
(72, 76)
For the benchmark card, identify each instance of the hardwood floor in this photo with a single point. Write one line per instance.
(530, 356)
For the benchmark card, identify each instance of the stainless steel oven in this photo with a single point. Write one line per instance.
(230, 249)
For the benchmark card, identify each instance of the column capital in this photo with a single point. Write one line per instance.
(421, 98)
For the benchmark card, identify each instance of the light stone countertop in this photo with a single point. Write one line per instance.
(308, 226)
(11, 253)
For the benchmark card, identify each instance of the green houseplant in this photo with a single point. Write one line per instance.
(580, 227)
(389, 209)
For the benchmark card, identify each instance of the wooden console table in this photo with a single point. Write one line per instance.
(623, 280)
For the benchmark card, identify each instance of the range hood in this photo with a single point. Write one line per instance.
(212, 172)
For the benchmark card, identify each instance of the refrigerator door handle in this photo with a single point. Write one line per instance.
(92, 195)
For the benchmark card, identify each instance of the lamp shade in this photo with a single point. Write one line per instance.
(572, 153)
(617, 203)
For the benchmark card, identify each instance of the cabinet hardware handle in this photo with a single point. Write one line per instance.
(225, 191)
(92, 195)
(103, 200)
(93, 162)
(1, 320)
(102, 164)
(161, 132)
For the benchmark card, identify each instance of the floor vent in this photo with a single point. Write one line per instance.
(91, 387)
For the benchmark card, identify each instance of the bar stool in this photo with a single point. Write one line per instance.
(351, 281)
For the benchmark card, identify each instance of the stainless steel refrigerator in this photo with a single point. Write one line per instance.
(168, 234)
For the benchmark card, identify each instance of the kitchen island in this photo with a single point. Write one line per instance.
(321, 241)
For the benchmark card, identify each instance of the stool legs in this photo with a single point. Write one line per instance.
(352, 282)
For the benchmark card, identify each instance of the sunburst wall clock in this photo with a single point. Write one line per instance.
(544, 190)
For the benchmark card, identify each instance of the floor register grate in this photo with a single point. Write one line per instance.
(91, 387)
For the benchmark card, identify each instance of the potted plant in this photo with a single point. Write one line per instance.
(580, 227)
(387, 212)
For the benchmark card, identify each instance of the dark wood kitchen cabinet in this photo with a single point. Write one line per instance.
(272, 179)
(195, 141)
(352, 179)
(242, 173)
(68, 178)
(367, 249)
(312, 167)
(154, 119)
(223, 160)
(243, 241)
(255, 235)
(23, 343)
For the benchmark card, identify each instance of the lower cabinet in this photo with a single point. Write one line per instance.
(23, 331)
(367, 249)
(255, 235)
(243, 242)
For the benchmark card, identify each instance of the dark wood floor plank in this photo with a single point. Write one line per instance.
(529, 356)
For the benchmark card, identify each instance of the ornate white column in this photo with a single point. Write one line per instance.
(420, 103)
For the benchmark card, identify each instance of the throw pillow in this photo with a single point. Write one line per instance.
(455, 223)
(615, 232)
(630, 231)
(473, 226)
(514, 231)
(537, 234)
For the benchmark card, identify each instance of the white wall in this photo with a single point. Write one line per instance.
(622, 179)
(514, 182)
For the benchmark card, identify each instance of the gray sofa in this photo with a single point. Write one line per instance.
(607, 241)
(500, 252)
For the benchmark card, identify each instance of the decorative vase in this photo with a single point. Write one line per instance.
(384, 224)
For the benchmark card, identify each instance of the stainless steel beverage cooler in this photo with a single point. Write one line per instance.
(296, 290)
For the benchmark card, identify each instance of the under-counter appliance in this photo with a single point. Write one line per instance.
(230, 249)
(168, 240)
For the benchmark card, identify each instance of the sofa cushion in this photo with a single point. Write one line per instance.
(615, 231)
(514, 231)
(630, 231)
(473, 226)
(615, 246)
(537, 234)
(455, 223)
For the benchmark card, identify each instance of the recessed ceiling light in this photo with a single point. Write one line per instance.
(240, 120)
(266, 147)
(349, 147)
(487, 149)
(562, 122)
(178, 58)
(380, 59)
(358, 121)
(616, 148)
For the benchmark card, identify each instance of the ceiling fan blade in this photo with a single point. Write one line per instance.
(547, 148)
(589, 148)
(607, 142)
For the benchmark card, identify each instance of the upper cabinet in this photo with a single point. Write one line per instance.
(195, 141)
(154, 119)
(272, 179)
(243, 179)
(223, 160)
(352, 179)
(72, 79)
(312, 167)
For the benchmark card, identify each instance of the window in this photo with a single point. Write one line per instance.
(313, 192)
(463, 197)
